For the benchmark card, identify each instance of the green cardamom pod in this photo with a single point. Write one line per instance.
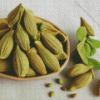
(15, 15)
(30, 24)
(81, 81)
(6, 45)
(22, 38)
(78, 69)
(90, 30)
(20, 62)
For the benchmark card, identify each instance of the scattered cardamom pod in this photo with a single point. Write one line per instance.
(51, 93)
(30, 24)
(60, 81)
(50, 29)
(3, 24)
(15, 15)
(81, 81)
(78, 69)
(4, 31)
(89, 29)
(4, 65)
(50, 85)
(48, 58)
(36, 62)
(6, 45)
(22, 38)
(98, 88)
(20, 62)
(30, 72)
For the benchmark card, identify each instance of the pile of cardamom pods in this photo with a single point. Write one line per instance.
(20, 29)
(82, 75)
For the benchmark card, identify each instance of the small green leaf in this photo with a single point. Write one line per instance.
(86, 49)
(93, 51)
(95, 63)
(81, 33)
(94, 43)
(79, 48)
(89, 29)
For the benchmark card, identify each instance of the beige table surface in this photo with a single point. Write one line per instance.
(65, 14)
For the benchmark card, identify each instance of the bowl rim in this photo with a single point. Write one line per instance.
(47, 75)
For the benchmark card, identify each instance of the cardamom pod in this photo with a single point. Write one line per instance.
(30, 72)
(90, 30)
(30, 24)
(36, 61)
(81, 81)
(98, 88)
(22, 38)
(3, 24)
(4, 65)
(54, 45)
(50, 29)
(78, 69)
(15, 15)
(48, 58)
(4, 31)
(20, 62)
(61, 56)
(6, 45)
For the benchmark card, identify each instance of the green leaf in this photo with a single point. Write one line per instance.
(86, 49)
(93, 51)
(94, 43)
(89, 29)
(95, 63)
(79, 48)
(81, 33)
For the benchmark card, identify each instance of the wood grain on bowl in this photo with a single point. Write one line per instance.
(63, 63)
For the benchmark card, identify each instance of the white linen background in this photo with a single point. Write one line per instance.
(66, 15)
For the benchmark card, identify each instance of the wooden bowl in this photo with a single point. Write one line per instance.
(63, 63)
